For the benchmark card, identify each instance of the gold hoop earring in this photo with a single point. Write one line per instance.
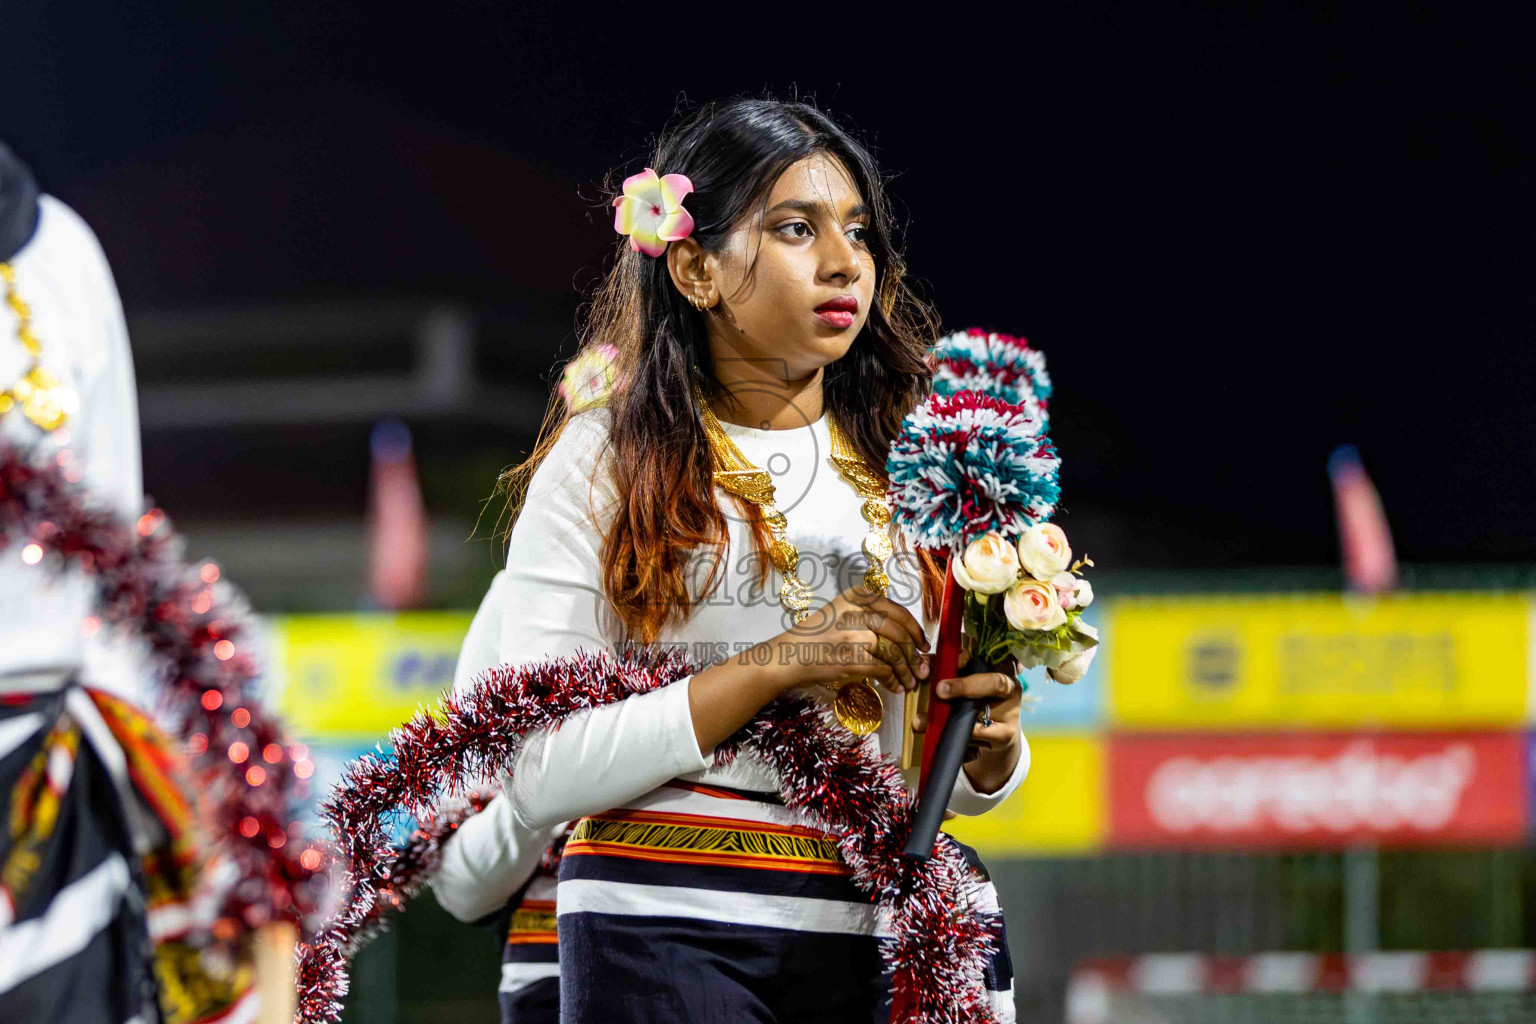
(700, 303)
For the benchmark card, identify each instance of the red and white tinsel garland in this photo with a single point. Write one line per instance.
(322, 962)
(413, 865)
(940, 944)
(197, 632)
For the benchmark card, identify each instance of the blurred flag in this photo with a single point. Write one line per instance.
(1370, 565)
(397, 521)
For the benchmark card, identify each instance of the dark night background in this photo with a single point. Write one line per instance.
(1242, 234)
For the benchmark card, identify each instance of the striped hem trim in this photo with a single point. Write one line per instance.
(675, 799)
(533, 923)
(709, 860)
(788, 913)
(724, 792)
(534, 939)
(516, 977)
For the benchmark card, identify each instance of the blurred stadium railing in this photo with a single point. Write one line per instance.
(319, 363)
(256, 423)
(1483, 987)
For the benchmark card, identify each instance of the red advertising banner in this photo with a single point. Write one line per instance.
(1310, 790)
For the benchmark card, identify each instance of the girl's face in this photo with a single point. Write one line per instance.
(796, 277)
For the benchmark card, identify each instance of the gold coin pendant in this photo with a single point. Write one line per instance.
(784, 554)
(859, 708)
(878, 546)
(795, 595)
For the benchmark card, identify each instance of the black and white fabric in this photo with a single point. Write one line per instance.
(749, 915)
(74, 941)
(753, 915)
(529, 992)
(999, 973)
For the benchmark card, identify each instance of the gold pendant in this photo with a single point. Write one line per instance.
(877, 546)
(858, 707)
(794, 594)
(753, 484)
(785, 555)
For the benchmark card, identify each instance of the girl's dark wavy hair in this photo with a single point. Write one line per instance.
(656, 451)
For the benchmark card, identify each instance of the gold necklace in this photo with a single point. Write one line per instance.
(856, 704)
(42, 399)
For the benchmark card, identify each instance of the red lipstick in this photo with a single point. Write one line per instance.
(839, 312)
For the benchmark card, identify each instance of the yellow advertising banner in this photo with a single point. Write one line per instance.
(1058, 809)
(1420, 660)
(357, 676)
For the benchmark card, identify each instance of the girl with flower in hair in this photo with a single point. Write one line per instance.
(727, 494)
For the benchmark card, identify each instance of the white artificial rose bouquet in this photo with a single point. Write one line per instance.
(1075, 667)
(990, 565)
(1038, 617)
(1030, 604)
(1044, 551)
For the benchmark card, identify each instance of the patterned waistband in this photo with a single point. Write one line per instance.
(533, 923)
(705, 839)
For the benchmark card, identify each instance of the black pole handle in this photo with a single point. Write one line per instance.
(947, 759)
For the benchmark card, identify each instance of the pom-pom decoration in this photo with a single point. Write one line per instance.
(198, 633)
(967, 464)
(971, 470)
(999, 365)
(940, 940)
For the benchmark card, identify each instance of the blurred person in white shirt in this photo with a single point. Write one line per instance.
(77, 749)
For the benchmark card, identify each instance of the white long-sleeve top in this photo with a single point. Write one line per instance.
(552, 602)
(77, 316)
(491, 855)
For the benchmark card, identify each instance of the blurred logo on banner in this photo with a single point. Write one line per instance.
(355, 677)
(1420, 660)
(1271, 790)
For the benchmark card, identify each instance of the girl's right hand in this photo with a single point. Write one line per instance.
(859, 634)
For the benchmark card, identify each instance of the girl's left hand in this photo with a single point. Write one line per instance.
(994, 748)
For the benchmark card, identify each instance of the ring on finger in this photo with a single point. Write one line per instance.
(986, 715)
